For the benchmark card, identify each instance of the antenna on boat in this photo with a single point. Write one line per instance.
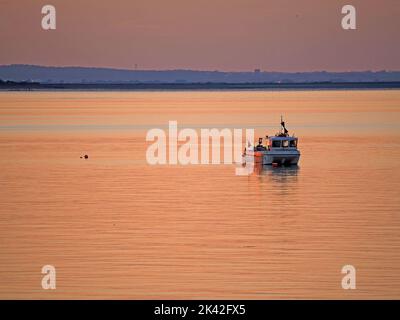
(285, 132)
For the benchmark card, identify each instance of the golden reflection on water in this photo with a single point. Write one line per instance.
(116, 227)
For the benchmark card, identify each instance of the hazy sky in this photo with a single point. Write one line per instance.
(229, 35)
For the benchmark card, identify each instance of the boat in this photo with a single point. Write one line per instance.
(280, 150)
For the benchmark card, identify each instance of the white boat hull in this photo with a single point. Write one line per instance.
(281, 159)
(286, 157)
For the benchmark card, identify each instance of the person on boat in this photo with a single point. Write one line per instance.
(260, 147)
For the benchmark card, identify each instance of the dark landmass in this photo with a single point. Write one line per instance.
(35, 86)
(119, 77)
(15, 84)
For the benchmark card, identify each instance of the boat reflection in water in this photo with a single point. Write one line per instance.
(277, 174)
(275, 188)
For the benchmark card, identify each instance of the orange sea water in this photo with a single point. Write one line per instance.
(115, 227)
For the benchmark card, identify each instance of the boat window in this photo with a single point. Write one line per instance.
(276, 144)
(293, 143)
(285, 143)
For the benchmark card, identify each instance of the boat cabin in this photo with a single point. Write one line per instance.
(282, 142)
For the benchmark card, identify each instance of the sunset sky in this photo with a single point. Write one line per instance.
(226, 35)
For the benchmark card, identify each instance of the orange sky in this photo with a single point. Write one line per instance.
(229, 35)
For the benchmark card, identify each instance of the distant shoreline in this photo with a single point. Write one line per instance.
(183, 79)
(35, 86)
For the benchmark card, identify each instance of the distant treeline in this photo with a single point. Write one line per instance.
(86, 75)
(12, 85)
(18, 84)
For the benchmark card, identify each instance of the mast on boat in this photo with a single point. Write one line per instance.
(284, 131)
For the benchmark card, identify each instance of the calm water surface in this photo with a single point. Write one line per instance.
(116, 227)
